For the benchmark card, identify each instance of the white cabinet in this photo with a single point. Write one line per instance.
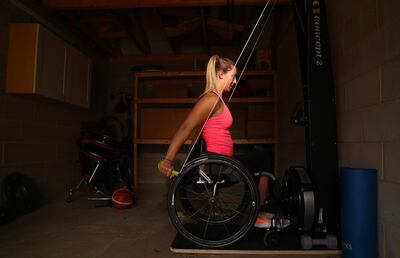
(78, 78)
(50, 65)
(40, 63)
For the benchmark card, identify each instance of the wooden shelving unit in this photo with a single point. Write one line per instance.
(178, 90)
(193, 100)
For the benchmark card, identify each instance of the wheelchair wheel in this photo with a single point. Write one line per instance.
(214, 201)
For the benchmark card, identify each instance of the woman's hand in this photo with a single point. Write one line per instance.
(166, 167)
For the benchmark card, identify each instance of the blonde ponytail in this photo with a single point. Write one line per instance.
(211, 74)
(216, 64)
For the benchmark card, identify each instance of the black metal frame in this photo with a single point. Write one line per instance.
(319, 109)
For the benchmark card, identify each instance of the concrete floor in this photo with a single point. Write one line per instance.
(79, 229)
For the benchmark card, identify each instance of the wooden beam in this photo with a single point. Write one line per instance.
(159, 58)
(225, 25)
(116, 47)
(89, 36)
(112, 34)
(182, 28)
(141, 31)
(103, 18)
(104, 28)
(160, 20)
(123, 25)
(204, 29)
(120, 4)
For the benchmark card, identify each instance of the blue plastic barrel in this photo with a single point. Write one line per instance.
(359, 213)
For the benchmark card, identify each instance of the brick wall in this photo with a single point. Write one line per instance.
(365, 45)
(37, 137)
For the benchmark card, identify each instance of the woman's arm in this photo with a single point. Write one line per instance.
(196, 117)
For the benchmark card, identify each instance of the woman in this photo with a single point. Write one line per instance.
(220, 78)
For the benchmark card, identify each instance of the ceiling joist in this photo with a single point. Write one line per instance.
(225, 24)
(112, 34)
(204, 30)
(120, 4)
(132, 36)
(160, 58)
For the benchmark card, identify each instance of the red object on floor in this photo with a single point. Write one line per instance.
(122, 198)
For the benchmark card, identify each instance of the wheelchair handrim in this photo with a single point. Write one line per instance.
(252, 206)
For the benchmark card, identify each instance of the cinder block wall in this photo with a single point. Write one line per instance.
(37, 138)
(365, 46)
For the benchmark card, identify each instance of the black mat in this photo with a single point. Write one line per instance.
(289, 240)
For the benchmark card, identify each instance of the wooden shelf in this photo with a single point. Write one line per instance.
(235, 141)
(255, 141)
(193, 100)
(168, 91)
(166, 74)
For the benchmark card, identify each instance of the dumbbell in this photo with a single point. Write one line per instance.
(307, 242)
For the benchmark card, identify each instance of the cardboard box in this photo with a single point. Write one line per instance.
(161, 123)
(260, 129)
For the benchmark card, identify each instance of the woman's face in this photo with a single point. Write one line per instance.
(229, 80)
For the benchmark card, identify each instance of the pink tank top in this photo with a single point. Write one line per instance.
(216, 132)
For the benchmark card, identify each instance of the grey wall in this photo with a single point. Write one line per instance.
(365, 44)
(37, 138)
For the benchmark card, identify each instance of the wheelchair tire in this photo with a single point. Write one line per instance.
(214, 201)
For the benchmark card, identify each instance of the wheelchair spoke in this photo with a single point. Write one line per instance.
(227, 203)
(195, 193)
(237, 212)
(187, 198)
(234, 211)
(226, 229)
(198, 210)
(194, 182)
(207, 223)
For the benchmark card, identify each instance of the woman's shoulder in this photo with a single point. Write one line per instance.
(209, 95)
(208, 98)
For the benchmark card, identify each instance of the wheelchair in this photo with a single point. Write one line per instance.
(214, 202)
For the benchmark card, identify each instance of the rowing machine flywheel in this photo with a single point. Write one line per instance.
(298, 198)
